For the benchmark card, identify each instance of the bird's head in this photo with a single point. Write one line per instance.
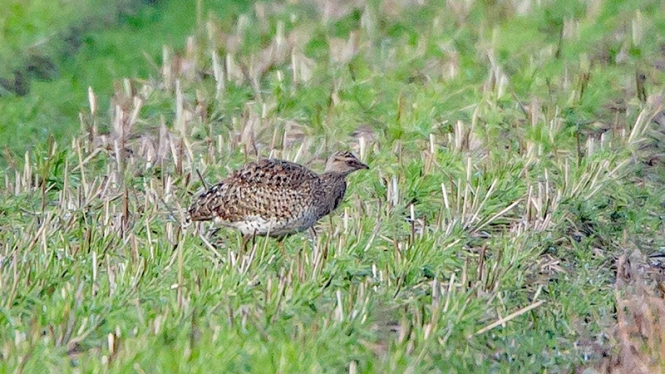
(344, 163)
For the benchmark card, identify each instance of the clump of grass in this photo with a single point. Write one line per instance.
(479, 238)
(638, 335)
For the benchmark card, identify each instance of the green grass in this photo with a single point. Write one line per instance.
(508, 169)
(86, 45)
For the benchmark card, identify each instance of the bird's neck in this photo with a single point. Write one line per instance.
(333, 179)
(335, 188)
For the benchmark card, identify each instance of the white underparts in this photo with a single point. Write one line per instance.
(256, 225)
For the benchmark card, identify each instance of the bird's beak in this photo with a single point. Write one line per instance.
(362, 166)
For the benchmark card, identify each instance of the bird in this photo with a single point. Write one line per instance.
(274, 197)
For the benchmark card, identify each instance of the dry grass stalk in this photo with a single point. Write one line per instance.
(640, 331)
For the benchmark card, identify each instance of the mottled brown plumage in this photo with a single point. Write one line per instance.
(275, 197)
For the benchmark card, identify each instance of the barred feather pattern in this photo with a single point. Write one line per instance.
(275, 197)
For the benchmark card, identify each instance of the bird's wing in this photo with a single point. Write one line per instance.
(270, 189)
(275, 173)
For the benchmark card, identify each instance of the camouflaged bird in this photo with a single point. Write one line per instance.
(275, 197)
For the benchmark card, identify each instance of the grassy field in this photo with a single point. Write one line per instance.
(515, 192)
(51, 53)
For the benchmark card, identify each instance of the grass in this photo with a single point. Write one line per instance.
(61, 52)
(515, 166)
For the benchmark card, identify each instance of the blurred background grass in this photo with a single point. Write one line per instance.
(534, 101)
(52, 51)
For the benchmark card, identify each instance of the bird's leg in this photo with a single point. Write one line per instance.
(245, 239)
(280, 244)
(212, 236)
(315, 237)
(313, 232)
(212, 231)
